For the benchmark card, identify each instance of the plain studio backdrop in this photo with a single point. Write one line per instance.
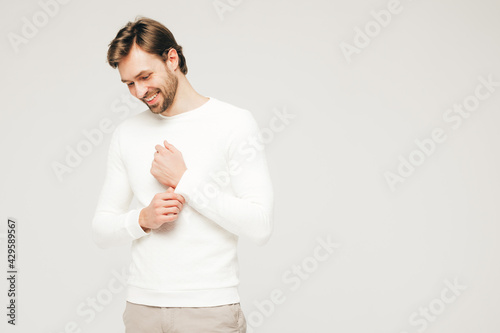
(380, 121)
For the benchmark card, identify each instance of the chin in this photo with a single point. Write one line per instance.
(156, 111)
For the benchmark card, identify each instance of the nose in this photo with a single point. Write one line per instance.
(140, 90)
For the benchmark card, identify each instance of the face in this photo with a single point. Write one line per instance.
(149, 79)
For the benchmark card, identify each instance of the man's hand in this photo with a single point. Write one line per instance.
(168, 164)
(165, 207)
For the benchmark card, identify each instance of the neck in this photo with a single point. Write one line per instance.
(186, 98)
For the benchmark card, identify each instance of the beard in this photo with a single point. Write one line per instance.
(166, 94)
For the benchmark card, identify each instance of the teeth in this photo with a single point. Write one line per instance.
(151, 98)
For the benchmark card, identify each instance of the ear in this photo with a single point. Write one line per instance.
(171, 59)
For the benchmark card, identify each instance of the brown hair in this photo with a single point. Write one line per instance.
(152, 36)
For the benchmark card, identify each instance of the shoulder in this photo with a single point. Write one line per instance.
(233, 115)
(240, 125)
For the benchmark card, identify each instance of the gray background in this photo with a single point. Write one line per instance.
(352, 121)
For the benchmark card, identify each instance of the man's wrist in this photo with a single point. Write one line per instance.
(141, 221)
(178, 180)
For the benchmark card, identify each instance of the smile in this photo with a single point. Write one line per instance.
(151, 99)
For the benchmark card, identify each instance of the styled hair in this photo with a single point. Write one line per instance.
(152, 36)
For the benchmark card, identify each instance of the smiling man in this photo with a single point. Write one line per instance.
(199, 185)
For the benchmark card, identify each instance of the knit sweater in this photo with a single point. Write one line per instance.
(193, 261)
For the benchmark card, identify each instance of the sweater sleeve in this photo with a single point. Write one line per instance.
(249, 212)
(113, 224)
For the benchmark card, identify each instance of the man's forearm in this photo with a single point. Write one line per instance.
(250, 214)
(116, 229)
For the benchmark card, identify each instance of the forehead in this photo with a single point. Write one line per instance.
(137, 60)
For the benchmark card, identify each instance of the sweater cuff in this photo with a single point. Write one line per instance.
(132, 224)
(188, 184)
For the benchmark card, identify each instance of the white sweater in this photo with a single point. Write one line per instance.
(193, 261)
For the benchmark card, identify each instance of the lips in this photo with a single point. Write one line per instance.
(152, 99)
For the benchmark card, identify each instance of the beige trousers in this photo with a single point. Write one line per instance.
(227, 318)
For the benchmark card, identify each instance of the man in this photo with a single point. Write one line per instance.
(200, 181)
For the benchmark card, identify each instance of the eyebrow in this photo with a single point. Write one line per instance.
(140, 74)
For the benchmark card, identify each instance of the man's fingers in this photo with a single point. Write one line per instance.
(169, 146)
(181, 199)
(160, 148)
(171, 210)
(171, 199)
(171, 195)
(173, 203)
